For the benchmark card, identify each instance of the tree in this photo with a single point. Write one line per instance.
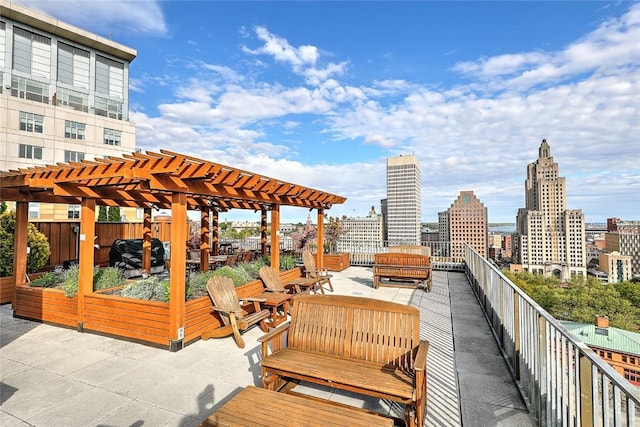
(37, 242)
(333, 230)
(102, 214)
(114, 214)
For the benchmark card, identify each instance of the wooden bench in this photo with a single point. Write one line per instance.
(402, 269)
(362, 345)
(258, 407)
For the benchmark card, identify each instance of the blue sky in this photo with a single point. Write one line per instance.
(321, 93)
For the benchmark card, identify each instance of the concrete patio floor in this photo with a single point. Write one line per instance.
(52, 376)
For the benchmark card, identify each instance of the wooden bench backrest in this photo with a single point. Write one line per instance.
(402, 260)
(357, 328)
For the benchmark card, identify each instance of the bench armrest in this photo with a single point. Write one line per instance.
(276, 337)
(227, 310)
(420, 363)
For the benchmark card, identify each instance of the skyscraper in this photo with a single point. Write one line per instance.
(403, 206)
(465, 222)
(549, 238)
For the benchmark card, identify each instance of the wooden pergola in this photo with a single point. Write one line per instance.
(163, 180)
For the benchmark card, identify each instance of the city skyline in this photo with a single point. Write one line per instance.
(469, 88)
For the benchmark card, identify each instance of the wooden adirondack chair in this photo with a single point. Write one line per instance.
(228, 305)
(273, 283)
(316, 273)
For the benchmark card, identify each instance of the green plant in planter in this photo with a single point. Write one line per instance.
(71, 281)
(108, 277)
(287, 262)
(238, 275)
(47, 280)
(197, 283)
(37, 242)
(252, 268)
(150, 288)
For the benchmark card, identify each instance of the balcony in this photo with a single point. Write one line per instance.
(56, 376)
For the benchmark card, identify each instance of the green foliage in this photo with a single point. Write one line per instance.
(71, 281)
(47, 280)
(37, 242)
(197, 283)
(108, 277)
(113, 214)
(3, 207)
(102, 214)
(238, 275)
(150, 288)
(583, 299)
(252, 268)
(287, 262)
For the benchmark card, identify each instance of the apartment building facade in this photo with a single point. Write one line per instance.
(549, 238)
(465, 222)
(624, 237)
(64, 96)
(363, 231)
(404, 200)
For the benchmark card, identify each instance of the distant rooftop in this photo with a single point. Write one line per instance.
(606, 338)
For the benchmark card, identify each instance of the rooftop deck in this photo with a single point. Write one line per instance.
(51, 376)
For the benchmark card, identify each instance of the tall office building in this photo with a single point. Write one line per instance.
(465, 222)
(64, 96)
(404, 205)
(549, 238)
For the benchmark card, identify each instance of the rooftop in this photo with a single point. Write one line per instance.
(83, 379)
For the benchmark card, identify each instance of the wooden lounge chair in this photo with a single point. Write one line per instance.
(228, 305)
(273, 283)
(316, 273)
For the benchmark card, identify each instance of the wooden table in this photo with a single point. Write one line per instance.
(255, 407)
(275, 300)
(307, 282)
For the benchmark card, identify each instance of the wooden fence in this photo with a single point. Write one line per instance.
(64, 237)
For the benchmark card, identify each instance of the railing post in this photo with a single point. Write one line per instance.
(586, 391)
(543, 378)
(516, 335)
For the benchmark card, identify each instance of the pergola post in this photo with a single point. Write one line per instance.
(86, 255)
(146, 240)
(204, 238)
(263, 232)
(215, 230)
(320, 234)
(20, 247)
(275, 237)
(178, 270)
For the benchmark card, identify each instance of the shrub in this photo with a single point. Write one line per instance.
(252, 268)
(197, 283)
(71, 280)
(238, 275)
(108, 277)
(287, 262)
(151, 288)
(39, 250)
(47, 280)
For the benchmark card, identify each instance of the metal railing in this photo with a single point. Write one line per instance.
(444, 255)
(562, 381)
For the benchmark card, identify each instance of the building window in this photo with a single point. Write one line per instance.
(109, 77)
(74, 130)
(73, 99)
(31, 122)
(73, 211)
(108, 108)
(34, 210)
(112, 136)
(73, 156)
(22, 87)
(31, 53)
(73, 66)
(29, 152)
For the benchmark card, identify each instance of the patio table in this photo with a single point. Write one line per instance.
(307, 282)
(274, 301)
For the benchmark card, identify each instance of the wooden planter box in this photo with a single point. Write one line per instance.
(336, 262)
(6, 287)
(46, 305)
(140, 320)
